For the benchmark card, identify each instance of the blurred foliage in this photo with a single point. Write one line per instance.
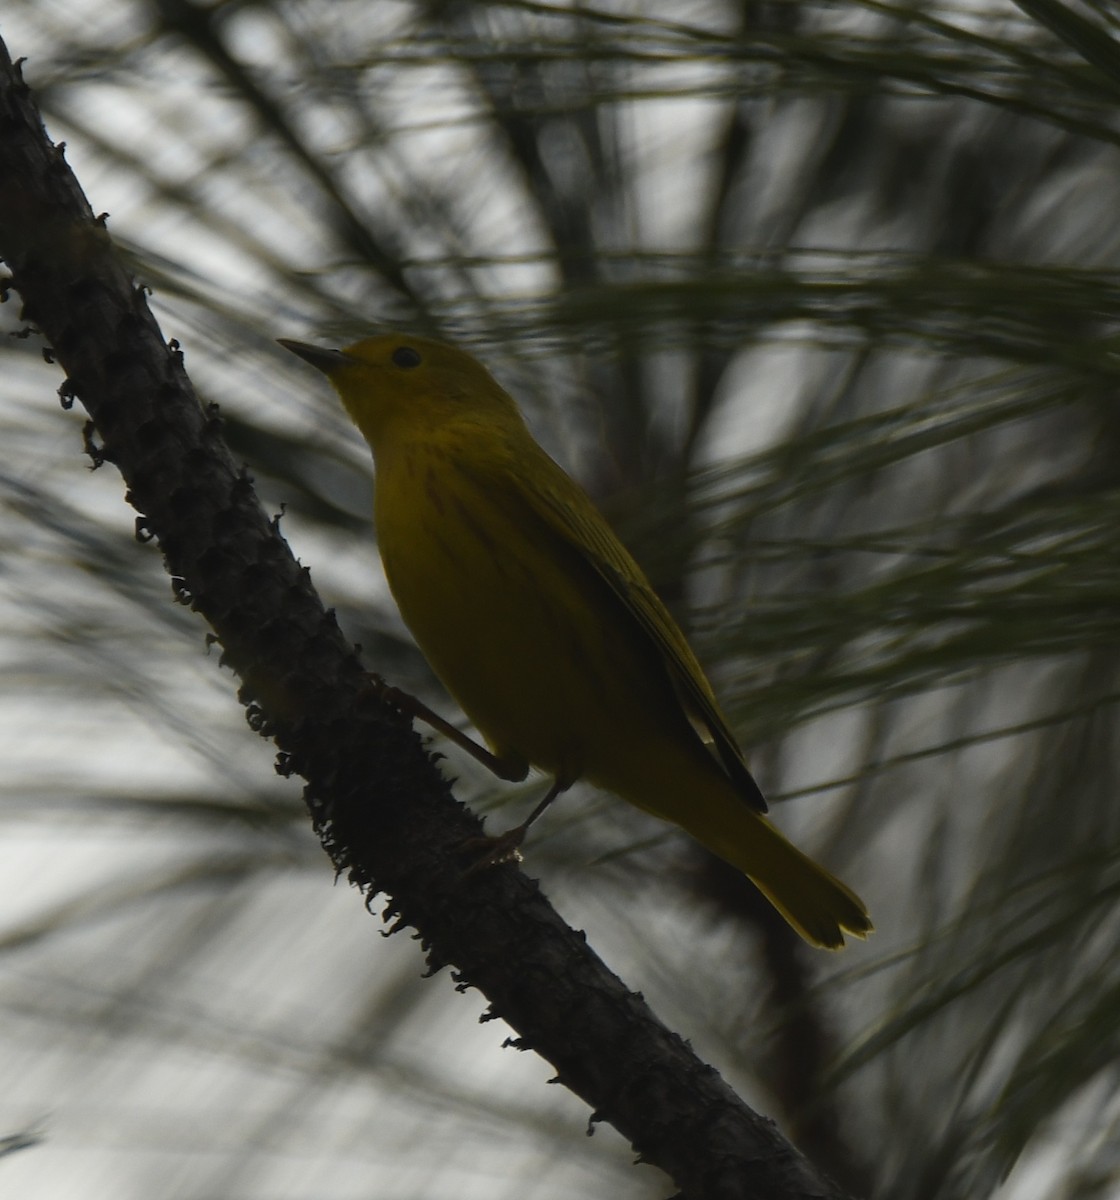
(820, 300)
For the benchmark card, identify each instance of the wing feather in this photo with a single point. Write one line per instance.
(563, 507)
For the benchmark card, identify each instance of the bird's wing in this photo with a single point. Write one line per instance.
(568, 513)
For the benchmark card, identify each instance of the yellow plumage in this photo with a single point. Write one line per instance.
(542, 626)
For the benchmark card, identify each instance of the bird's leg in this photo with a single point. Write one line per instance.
(506, 847)
(513, 770)
(502, 847)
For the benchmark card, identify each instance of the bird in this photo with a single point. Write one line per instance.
(542, 625)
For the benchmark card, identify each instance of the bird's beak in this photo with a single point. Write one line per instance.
(327, 361)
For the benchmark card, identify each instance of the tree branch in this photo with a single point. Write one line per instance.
(385, 816)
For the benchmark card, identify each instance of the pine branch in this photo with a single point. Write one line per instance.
(385, 816)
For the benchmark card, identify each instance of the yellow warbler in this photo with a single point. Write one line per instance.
(543, 627)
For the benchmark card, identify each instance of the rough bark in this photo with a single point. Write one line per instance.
(386, 817)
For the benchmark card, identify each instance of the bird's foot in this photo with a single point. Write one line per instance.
(493, 851)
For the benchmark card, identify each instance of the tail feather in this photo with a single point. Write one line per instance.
(815, 903)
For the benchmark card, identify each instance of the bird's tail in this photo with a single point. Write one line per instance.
(815, 903)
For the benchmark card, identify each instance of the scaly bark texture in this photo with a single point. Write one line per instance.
(386, 817)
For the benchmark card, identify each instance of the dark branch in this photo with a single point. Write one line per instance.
(386, 818)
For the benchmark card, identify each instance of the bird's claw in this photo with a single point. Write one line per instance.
(502, 848)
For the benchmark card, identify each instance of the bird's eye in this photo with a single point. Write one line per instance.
(405, 356)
